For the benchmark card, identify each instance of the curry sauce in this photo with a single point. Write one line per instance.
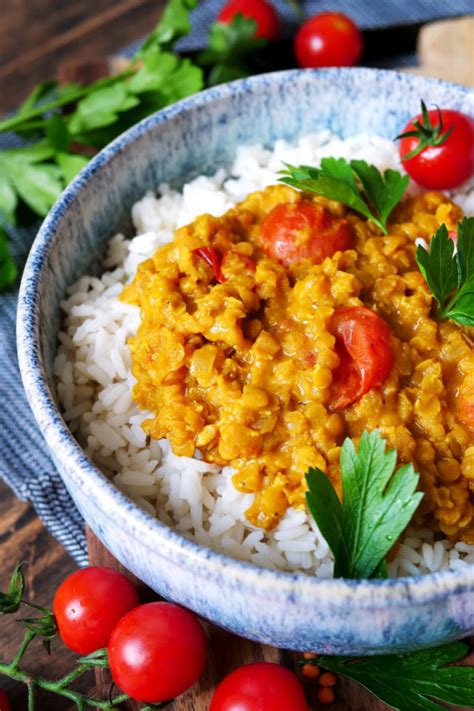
(236, 357)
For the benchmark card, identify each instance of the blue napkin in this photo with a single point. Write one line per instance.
(365, 13)
(24, 461)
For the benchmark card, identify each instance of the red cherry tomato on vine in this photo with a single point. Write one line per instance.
(157, 651)
(329, 39)
(266, 17)
(303, 230)
(365, 354)
(88, 605)
(260, 687)
(442, 163)
(4, 702)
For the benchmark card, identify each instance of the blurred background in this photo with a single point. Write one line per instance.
(45, 38)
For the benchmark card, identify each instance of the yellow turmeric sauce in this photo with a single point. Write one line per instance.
(241, 369)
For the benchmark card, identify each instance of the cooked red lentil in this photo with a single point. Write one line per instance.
(240, 356)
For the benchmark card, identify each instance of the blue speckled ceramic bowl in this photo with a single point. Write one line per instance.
(193, 137)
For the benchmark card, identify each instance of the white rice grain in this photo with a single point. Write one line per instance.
(94, 380)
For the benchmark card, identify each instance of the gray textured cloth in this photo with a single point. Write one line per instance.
(24, 461)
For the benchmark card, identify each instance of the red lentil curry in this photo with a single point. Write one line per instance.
(265, 351)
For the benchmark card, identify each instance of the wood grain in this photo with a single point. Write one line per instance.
(24, 537)
(39, 35)
(228, 652)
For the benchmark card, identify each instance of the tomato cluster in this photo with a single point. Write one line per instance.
(328, 39)
(158, 650)
(436, 147)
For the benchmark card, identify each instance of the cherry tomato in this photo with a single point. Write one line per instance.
(329, 39)
(259, 687)
(88, 605)
(294, 231)
(448, 164)
(4, 702)
(266, 17)
(212, 257)
(157, 651)
(365, 354)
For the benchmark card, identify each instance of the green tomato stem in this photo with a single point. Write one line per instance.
(27, 639)
(56, 687)
(72, 676)
(31, 697)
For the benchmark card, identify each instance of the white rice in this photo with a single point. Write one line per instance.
(94, 380)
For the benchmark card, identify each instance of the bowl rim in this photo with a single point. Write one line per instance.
(410, 590)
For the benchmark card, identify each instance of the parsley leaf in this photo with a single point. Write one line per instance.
(411, 682)
(174, 24)
(229, 43)
(102, 108)
(8, 270)
(38, 185)
(450, 275)
(376, 507)
(36, 174)
(165, 78)
(360, 186)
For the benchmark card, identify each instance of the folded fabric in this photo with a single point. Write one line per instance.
(366, 13)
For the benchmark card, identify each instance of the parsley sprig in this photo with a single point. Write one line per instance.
(360, 186)
(427, 134)
(230, 45)
(66, 124)
(61, 141)
(450, 274)
(412, 682)
(376, 507)
(8, 270)
(378, 503)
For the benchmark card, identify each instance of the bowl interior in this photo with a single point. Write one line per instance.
(201, 134)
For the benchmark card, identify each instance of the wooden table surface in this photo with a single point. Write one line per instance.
(36, 36)
(54, 32)
(23, 537)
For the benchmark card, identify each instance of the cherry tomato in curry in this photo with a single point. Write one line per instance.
(365, 354)
(294, 231)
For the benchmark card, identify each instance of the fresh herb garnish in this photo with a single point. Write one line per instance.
(377, 505)
(175, 23)
(61, 142)
(36, 174)
(427, 134)
(450, 275)
(229, 45)
(360, 186)
(411, 682)
(8, 270)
